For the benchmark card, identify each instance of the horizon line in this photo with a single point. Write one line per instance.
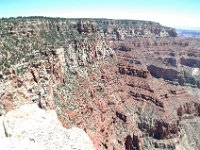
(60, 17)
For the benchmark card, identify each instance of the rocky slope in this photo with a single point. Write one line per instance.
(30, 127)
(128, 84)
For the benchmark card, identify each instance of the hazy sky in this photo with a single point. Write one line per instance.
(175, 13)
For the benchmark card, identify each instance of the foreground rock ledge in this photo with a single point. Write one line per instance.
(30, 127)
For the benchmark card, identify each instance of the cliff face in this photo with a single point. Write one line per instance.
(128, 84)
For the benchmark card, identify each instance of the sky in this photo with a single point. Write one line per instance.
(173, 13)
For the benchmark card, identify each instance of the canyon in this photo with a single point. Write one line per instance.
(129, 84)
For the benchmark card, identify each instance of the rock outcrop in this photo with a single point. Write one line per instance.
(31, 127)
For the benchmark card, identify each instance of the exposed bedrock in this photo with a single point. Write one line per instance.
(132, 142)
(189, 109)
(182, 77)
(133, 71)
(171, 131)
(190, 62)
(167, 74)
(170, 60)
(160, 129)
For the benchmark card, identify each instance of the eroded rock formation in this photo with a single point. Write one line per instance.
(128, 84)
